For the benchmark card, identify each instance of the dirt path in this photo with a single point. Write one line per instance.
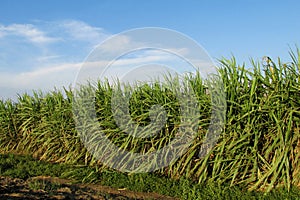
(56, 188)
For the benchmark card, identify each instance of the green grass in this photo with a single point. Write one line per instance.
(26, 167)
(258, 149)
(43, 185)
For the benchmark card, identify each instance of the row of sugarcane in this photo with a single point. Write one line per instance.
(259, 146)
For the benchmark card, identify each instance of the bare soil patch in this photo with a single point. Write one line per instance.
(43, 187)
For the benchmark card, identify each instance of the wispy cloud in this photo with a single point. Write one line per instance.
(27, 31)
(79, 30)
(50, 54)
(40, 79)
(43, 55)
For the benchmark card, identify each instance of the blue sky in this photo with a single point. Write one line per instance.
(42, 43)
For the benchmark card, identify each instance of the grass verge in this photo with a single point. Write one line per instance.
(25, 167)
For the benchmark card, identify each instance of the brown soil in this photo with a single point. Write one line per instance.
(55, 188)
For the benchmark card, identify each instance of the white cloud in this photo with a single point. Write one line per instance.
(84, 32)
(129, 69)
(135, 66)
(28, 31)
(61, 75)
(118, 43)
(44, 78)
(57, 64)
(47, 58)
(49, 54)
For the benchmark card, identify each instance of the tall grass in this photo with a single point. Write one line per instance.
(259, 147)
